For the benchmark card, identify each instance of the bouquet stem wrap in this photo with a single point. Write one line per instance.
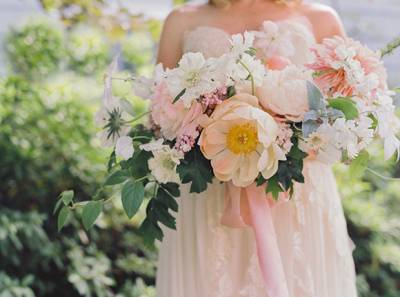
(251, 207)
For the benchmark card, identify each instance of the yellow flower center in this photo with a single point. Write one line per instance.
(242, 139)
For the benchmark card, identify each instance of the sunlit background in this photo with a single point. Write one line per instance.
(52, 59)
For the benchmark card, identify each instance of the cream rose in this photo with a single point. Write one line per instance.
(284, 92)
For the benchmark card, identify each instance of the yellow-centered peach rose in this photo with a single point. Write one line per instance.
(240, 140)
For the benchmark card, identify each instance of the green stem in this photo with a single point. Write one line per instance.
(141, 137)
(253, 89)
(139, 117)
(388, 178)
(125, 79)
(390, 47)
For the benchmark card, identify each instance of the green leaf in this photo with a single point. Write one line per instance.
(231, 91)
(260, 180)
(359, 165)
(195, 169)
(132, 196)
(111, 161)
(62, 219)
(165, 198)
(273, 187)
(345, 105)
(179, 95)
(150, 232)
(172, 189)
(67, 197)
(163, 215)
(117, 177)
(90, 213)
(57, 206)
(374, 121)
(396, 90)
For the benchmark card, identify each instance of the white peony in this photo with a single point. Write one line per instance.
(192, 75)
(124, 147)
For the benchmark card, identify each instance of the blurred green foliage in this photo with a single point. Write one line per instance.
(47, 145)
(88, 50)
(35, 48)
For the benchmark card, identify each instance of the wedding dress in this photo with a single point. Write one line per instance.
(203, 258)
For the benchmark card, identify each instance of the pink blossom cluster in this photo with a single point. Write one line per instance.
(284, 137)
(184, 143)
(211, 100)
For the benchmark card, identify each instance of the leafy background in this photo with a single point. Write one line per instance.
(47, 144)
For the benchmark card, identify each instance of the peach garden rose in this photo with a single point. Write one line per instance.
(240, 140)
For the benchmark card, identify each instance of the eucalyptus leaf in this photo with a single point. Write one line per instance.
(315, 97)
(90, 213)
(132, 196)
(311, 115)
(309, 127)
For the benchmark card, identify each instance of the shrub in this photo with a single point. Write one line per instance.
(88, 50)
(35, 48)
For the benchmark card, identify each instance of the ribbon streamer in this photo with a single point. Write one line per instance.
(251, 207)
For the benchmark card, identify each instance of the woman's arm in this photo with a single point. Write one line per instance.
(170, 48)
(326, 22)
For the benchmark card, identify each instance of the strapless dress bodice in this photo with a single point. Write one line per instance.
(288, 38)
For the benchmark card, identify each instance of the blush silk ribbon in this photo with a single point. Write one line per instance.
(251, 206)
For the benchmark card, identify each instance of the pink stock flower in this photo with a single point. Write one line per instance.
(344, 67)
(173, 118)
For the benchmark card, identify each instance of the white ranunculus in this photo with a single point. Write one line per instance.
(164, 163)
(192, 75)
(124, 147)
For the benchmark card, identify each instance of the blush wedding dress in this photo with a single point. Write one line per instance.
(204, 258)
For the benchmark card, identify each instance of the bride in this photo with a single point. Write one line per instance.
(204, 258)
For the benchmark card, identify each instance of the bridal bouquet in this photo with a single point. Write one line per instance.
(244, 118)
